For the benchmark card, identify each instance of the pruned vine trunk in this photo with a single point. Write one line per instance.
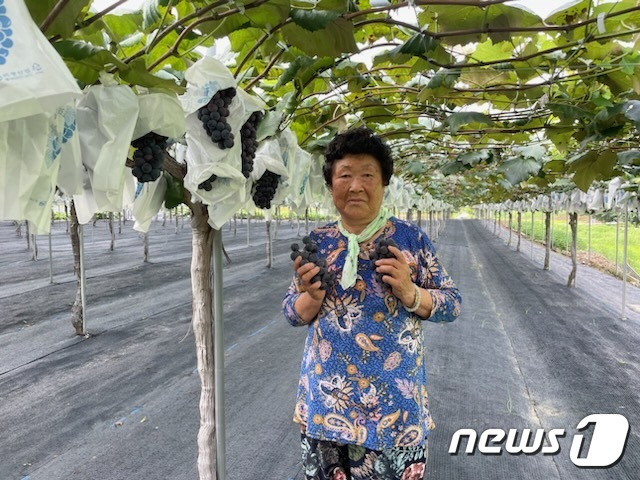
(26, 224)
(573, 223)
(510, 220)
(112, 232)
(66, 215)
(519, 231)
(34, 242)
(547, 239)
(119, 223)
(201, 287)
(419, 218)
(146, 248)
(269, 245)
(306, 221)
(77, 313)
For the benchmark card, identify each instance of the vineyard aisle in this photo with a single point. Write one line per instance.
(526, 353)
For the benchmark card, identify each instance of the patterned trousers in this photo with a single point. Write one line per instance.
(324, 460)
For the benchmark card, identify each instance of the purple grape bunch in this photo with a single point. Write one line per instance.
(148, 157)
(207, 184)
(310, 255)
(381, 250)
(265, 189)
(214, 117)
(249, 143)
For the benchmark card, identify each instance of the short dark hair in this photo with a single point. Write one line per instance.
(358, 141)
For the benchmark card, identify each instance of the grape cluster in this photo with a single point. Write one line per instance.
(206, 185)
(214, 117)
(265, 189)
(148, 157)
(381, 250)
(249, 143)
(310, 255)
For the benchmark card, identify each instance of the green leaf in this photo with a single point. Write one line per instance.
(447, 18)
(332, 41)
(418, 44)
(630, 157)
(121, 27)
(64, 23)
(455, 120)
(269, 124)
(519, 169)
(632, 112)
(472, 158)
(313, 20)
(269, 14)
(591, 166)
(150, 14)
(537, 152)
(417, 168)
(567, 111)
(136, 73)
(294, 67)
(453, 167)
(175, 189)
(222, 28)
(88, 55)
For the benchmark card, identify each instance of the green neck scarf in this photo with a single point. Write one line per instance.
(350, 271)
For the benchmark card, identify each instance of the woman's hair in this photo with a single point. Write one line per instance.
(358, 141)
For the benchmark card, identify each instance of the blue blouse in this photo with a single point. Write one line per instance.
(363, 380)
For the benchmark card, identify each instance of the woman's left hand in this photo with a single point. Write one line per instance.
(397, 273)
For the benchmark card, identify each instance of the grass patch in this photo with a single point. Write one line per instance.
(603, 236)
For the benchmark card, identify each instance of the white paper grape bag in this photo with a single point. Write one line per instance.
(160, 113)
(206, 78)
(149, 199)
(33, 77)
(300, 170)
(72, 172)
(29, 163)
(106, 118)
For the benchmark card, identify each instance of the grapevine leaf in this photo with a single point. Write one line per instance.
(455, 120)
(591, 166)
(472, 158)
(632, 112)
(418, 44)
(64, 23)
(137, 74)
(87, 54)
(269, 124)
(519, 169)
(630, 157)
(150, 14)
(313, 20)
(174, 193)
(332, 41)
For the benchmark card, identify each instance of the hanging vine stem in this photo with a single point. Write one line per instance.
(53, 14)
(174, 48)
(254, 49)
(264, 72)
(153, 42)
(303, 142)
(175, 25)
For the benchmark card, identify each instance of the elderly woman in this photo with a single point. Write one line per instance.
(362, 398)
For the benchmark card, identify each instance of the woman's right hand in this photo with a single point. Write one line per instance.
(306, 273)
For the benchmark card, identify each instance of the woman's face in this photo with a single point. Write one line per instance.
(357, 189)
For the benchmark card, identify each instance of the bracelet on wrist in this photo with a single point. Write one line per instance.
(416, 300)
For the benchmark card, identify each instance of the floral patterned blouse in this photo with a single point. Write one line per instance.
(363, 380)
